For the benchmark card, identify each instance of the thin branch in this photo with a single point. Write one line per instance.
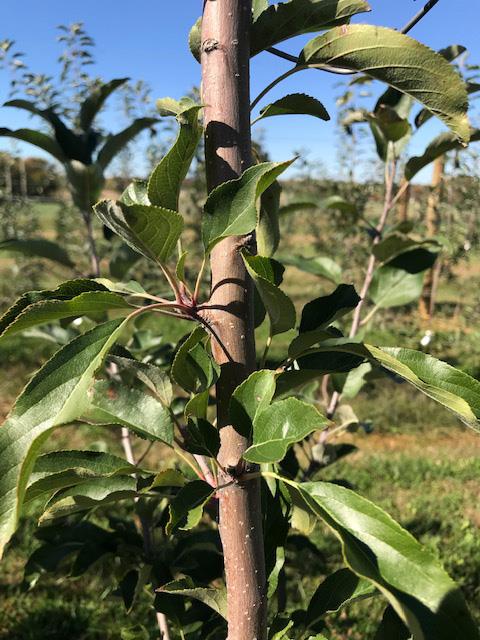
(389, 203)
(199, 279)
(209, 328)
(274, 83)
(416, 18)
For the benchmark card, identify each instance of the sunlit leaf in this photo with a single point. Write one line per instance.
(391, 287)
(215, 598)
(441, 145)
(295, 104)
(152, 231)
(279, 426)
(250, 398)
(400, 61)
(56, 395)
(231, 208)
(321, 266)
(111, 403)
(377, 549)
(166, 179)
(279, 307)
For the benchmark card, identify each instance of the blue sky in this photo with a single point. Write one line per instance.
(146, 39)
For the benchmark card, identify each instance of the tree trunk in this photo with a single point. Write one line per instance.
(22, 170)
(225, 94)
(7, 172)
(404, 204)
(432, 223)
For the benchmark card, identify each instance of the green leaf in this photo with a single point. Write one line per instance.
(115, 143)
(136, 193)
(268, 227)
(295, 104)
(397, 244)
(168, 478)
(258, 7)
(152, 376)
(400, 61)
(393, 287)
(193, 367)
(321, 312)
(202, 438)
(56, 395)
(439, 146)
(390, 131)
(132, 585)
(62, 469)
(113, 403)
(122, 259)
(197, 405)
(377, 549)
(391, 627)
(86, 182)
(335, 592)
(186, 508)
(216, 599)
(172, 107)
(339, 203)
(321, 266)
(37, 248)
(73, 145)
(450, 387)
(90, 494)
(65, 291)
(449, 53)
(289, 19)
(180, 268)
(152, 231)
(231, 208)
(350, 384)
(279, 426)
(280, 308)
(91, 303)
(424, 115)
(294, 207)
(95, 100)
(318, 314)
(251, 398)
(38, 139)
(166, 179)
(279, 627)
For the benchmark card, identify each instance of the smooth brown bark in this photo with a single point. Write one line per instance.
(432, 223)
(225, 95)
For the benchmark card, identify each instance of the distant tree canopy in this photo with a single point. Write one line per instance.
(28, 176)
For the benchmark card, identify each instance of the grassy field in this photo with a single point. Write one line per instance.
(419, 463)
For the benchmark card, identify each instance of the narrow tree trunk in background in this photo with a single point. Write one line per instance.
(404, 204)
(7, 169)
(225, 94)
(94, 258)
(432, 223)
(22, 170)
